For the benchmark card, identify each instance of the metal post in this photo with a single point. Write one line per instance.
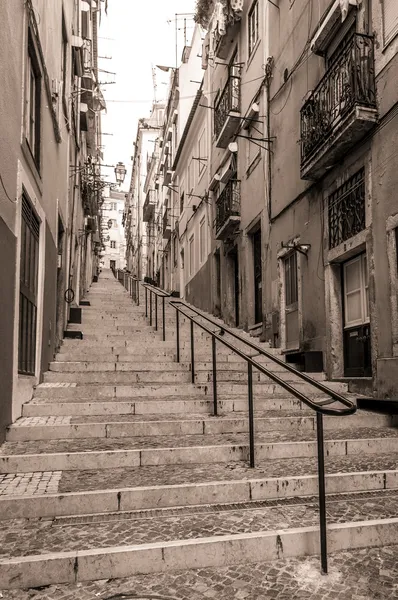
(156, 312)
(150, 308)
(178, 334)
(322, 493)
(213, 347)
(251, 412)
(163, 321)
(146, 302)
(192, 355)
(138, 292)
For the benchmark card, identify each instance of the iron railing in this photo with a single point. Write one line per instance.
(334, 405)
(228, 203)
(229, 100)
(349, 82)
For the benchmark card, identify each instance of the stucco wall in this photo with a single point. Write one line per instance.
(8, 249)
(198, 290)
(49, 303)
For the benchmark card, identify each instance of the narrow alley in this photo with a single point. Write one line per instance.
(118, 470)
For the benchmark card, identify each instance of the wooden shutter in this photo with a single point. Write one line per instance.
(390, 19)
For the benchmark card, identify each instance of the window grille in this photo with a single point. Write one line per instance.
(347, 210)
(28, 281)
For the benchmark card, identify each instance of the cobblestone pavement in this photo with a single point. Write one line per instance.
(369, 574)
(18, 484)
(183, 441)
(81, 481)
(20, 537)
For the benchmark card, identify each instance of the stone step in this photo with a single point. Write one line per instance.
(97, 392)
(68, 427)
(122, 376)
(70, 455)
(176, 405)
(358, 573)
(34, 502)
(108, 357)
(52, 552)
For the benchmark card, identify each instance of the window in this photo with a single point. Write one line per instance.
(181, 202)
(28, 283)
(113, 244)
(356, 291)
(202, 240)
(253, 27)
(113, 206)
(191, 254)
(33, 100)
(390, 20)
(202, 153)
(347, 209)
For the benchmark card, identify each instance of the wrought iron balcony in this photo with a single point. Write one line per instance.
(341, 109)
(227, 116)
(166, 225)
(148, 209)
(228, 209)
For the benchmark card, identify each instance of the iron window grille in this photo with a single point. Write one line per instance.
(349, 81)
(347, 209)
(33, 102)
(28, 283)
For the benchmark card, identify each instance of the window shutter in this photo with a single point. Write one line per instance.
(390, 19)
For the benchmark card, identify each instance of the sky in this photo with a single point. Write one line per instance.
(136, 34)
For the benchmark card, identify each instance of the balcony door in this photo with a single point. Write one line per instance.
(357, 348)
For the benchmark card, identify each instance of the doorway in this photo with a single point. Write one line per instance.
(291, 302)
(258, 279)
(356, 336)
(236, 285)
(112, 264)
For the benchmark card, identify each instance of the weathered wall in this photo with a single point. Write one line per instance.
(8, 249)
(49, 302)
(198, 289)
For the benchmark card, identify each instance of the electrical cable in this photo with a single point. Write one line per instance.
(5, 191)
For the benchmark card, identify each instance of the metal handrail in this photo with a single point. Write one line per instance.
(317, 406)
(321, 407)
(158, 293)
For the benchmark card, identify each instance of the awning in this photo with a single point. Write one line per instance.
(338, 11)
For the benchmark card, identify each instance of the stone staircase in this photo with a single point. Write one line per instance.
(118, 468)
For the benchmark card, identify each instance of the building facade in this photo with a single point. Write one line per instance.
(48, 204)
(113, 256)
(281, 203)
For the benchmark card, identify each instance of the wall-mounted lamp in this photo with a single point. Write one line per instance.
(302, 248)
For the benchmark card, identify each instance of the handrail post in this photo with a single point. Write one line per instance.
(150, 308)
(156, 312)
(178, 334)
(322, 492)
(251, 413)
(192, 355)
(163, 321)
(138, 292)
(146, 302)
(213, 347)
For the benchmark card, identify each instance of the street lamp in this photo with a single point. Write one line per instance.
(120, 172)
